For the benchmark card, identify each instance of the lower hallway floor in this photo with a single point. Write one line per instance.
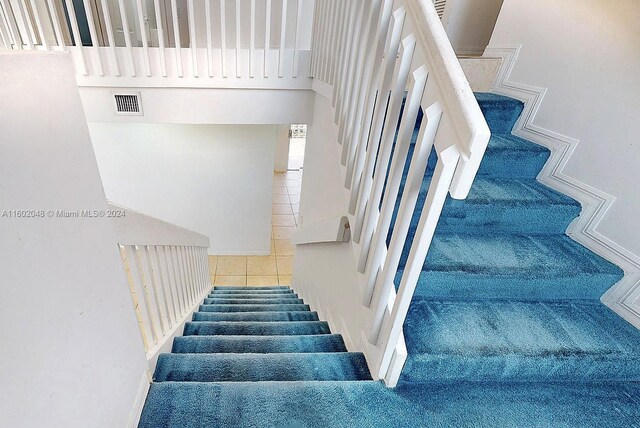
(276, 268)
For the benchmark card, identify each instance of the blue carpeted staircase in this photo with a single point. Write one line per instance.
(505, 329)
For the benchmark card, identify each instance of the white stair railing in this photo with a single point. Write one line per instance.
(167, 273)
(385, 61)
(163, 40)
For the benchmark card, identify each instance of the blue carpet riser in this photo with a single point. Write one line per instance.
(235, 301)
(258, 344)
(370, 404)
(255, 316)
(261, 367)
(255, 328)
(254, 308)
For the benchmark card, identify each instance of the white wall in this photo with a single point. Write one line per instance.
(325, 274)
(282, 148)
(469, 24)
(585, 52)
(214, 180)
(71, 352)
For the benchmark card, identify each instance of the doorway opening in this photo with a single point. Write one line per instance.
(297, 141)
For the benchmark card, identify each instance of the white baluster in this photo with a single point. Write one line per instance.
(76, 36)
(378, 243)
(267, 38)
(110, 37)
(12, 26)
(162, 317)
(127, 37)
(223, 38)
(296, 41)
(143, 36)
(176, 37)
(415, 177)
(41, 34)
(388, 67)
(207, 7)
(135, 298)
(53, 11)
(283, 34)
(161, 43)
(238, 34)
(252, 40)
(192, 39)
(436, 196)
(397, 95)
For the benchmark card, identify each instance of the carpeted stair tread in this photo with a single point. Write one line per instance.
(500, 112)
(255, 316)
(503, 205)
(370, 404)
(252, 292)
(254, 308)
(242, 287)
(253, 296)
(341, 366)
(234, 301)
(518, 341)
(259, 344)
(214, 328)
(544, 267)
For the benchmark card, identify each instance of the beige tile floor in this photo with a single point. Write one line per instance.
(276, 268)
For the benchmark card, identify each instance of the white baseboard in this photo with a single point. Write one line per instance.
(624, 297)
(141, 397)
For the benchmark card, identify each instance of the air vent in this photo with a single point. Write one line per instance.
(440, 5)
(128, 104)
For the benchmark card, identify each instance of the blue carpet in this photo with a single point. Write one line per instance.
(370, 404)
(258, 344)
(255, 316)
(519, 341)
(259, 296)
(251, 292)
(279, 288)
(505, 328)
(261, 367)
(236, 301)
(255, 328)
(253, 308)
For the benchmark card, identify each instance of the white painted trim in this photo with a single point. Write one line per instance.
(595, 203)
(141, 397)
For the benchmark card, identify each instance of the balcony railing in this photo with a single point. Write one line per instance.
(205, 41)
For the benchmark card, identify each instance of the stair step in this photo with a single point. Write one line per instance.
(255, 328)
(255, 316)
(518, 341)
(259, 344)
(253, 308)
(220, 301)
(508, 156)
(520, 206)
(371, 404)
(522, 267)
(501, 112)
(253, 296)
(261, 367)
(242, 287)
(252, 292)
